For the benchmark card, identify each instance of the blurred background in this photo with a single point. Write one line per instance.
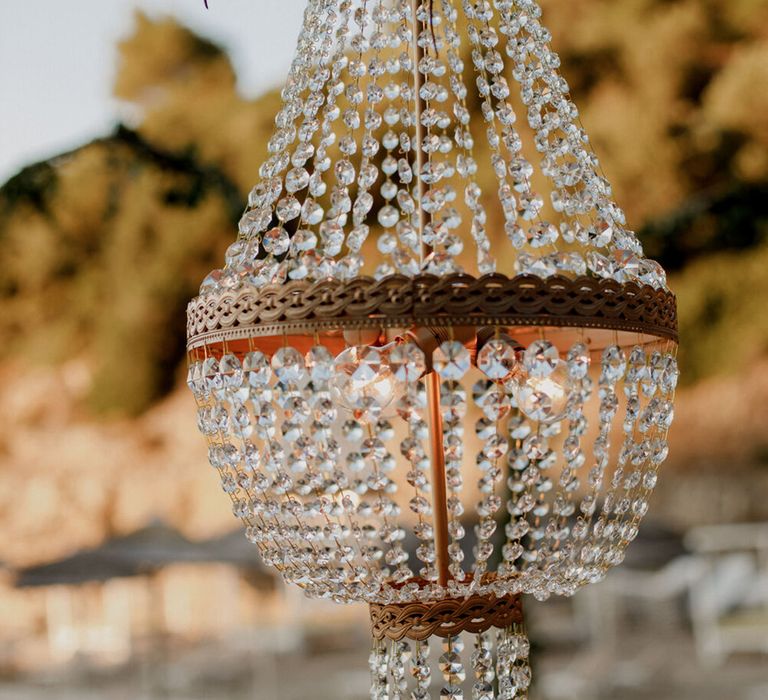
(131, 134)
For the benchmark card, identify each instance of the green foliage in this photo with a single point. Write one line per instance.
(100, 253)
(723, 319)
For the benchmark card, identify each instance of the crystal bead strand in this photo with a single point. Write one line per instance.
(425, 44)
(649, 447)
(453, 439)
(466, 165)
(664, 376)
(378, 663)
(595, 191)
(559, 544)
(519, 429)
(452, 668)
(395, 246)
(438, 171)
(399, 654)
(209, 432)
(350, 265)
(540, 234)
(284, 135)
(497, 360)
(332, 230)
(257, 218)
(613, 366)
(409, 363)
(451, 361)
(327, 85)
(540, 360)
(325, 455)
(421, 671)
(387, 509)
(527, 205)
(521, 46)
(235, 390)
(302, 258)
(542, 457)
(492, 399)
(257, 373)
(632, 457)
(282, 550)
(288, 366)
(482, 667)
(331, 233)
(512, 669)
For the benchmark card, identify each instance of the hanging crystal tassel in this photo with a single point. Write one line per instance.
(494, 667)
(377, 662)
(452, 668)
(512, 667)
(420, 671)
(482, 667)
(399, 653)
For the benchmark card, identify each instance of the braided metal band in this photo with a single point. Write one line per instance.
(456, 300)
(444, 618)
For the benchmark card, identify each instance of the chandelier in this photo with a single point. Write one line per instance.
(425, 385)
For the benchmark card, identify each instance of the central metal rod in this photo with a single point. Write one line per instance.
(439, 492)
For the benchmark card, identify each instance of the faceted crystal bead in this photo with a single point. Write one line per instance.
(451, 360)
(362, 378)
(287, 209)
(296, 179)
(276, 240)
(407, 362)
(540, 358)
(319, 362)
(543, 398)
(451, 667)
(388, 216)
(288, 365)
(256, 369)
(578, 360)
(195, 380)
(497, 359)
(541, 234)
(211, 375)
(231, 371)
(613, 364)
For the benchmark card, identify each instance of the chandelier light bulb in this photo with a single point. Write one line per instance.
(363, 382)
(543, 399)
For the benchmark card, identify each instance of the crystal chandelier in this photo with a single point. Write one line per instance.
(424, 385)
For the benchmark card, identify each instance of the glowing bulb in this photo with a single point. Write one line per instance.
(543, 399)
(363, 381)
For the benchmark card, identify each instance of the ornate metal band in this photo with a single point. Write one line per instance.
(445, 618)
(457, 300)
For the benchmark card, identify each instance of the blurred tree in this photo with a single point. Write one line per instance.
(88, 240)
(183, 89)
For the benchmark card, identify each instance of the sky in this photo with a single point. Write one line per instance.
(58, 58)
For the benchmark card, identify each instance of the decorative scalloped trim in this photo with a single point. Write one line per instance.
(444, 618)
(427, 300)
